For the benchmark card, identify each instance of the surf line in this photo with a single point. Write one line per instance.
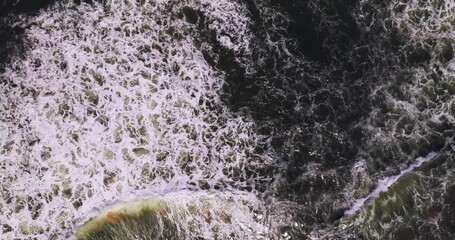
(384, 184)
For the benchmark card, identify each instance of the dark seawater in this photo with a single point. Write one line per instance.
(338, 82)
(17, 6)
(307, 106)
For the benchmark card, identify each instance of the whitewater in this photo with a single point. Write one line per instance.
(251, 119)
(117, 101)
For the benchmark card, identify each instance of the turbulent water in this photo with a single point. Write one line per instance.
(305, 119)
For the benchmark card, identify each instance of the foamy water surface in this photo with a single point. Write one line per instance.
(112, 103)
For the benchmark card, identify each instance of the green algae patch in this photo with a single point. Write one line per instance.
(151, 219)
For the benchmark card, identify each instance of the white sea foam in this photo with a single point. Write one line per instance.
(111, 104)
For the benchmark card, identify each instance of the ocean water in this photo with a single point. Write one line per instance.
(306, 119)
